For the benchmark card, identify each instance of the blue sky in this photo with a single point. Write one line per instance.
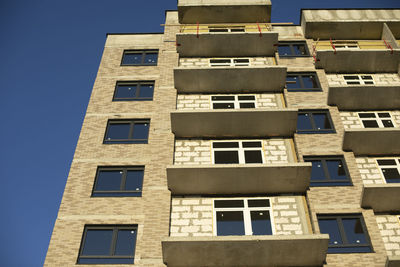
(49, 54)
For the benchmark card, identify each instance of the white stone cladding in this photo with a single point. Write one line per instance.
(205, 62)
(379, 79)
(389, 226)
(203, 101)
(369, 170)
(198, 151)
(193, 216)
(351, 120)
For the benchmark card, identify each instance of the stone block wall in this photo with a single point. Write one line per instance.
(203, 101)
(351, 120)
(369, 170)
(205, 62)
(379, 79)
(194, 216)
(389, 226)
(198, 151)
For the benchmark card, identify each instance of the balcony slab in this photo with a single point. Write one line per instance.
(381, 197)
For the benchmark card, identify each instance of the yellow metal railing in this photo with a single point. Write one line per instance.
(349, 44)
(233, 28)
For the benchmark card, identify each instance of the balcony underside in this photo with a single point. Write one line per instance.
(284, 250)
(239, 178)
(358, 61)
(372, 141)
(393, 261)
(381, 198)
(364, 97)
(234, 123)
(230, 79)
(217, 11)
(227, 44)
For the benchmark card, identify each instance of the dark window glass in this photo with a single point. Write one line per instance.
(366, 115)
(225, 144)
(253, 156)
(246, 97)
(244, 60)
(391, 175)
(134, 91)
(370, 124)
(387, 123)
(222, 98)
(251, 144)
(118, 181)
(237, 203)
(226, 157)
(386, 162)
(314, 122)
(230, 223)
(384, 115)
(258, 203)
(220, 61)
(261, 222)
(146, 91)
(223, 105)
(139, 58)
(127, 131)
(237, 30)
(247, 105)
(292, 49)
(302, 82)
(217, 30)
(108, 245)
(328, 171)
(347, 233)
(125, 91)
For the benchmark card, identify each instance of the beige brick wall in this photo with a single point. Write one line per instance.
(198, 151)
(193, 216)
(389, 225)
(351, 120)
(205, 62)
(203, 101)
(379, 79)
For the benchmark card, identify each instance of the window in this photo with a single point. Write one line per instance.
(390, 169)
(293, 49)
(345, 44)
(328, 171)
(226, 29)
(376, 119)
(134, 91)
(127, 132)
(139, 58)
(347, 233)
(103, 244)
(230, 62)
(314, 121)
(233, 101)
(237, 152)
(243, 216)
(302, 82)
(358, 79)
(118, 182)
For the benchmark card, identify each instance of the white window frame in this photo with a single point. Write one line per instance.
(397, 166)
(231, 64)
(236, 102)
(240, 150)
(377, 119)
(246, 213)
(360, 80)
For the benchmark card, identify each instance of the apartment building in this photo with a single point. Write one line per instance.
(229, 140)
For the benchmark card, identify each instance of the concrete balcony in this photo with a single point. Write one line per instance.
(393, 261)
(217, 11)
(364, 97)
(283, 250)
(230, 79)
(234, 123)
(239, 178)
(210, 41)
(372, 141)
(381, 197)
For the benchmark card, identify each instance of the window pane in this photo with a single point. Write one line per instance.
(108, 180)
(237, 203)
(246, 97)
(217, 30)
(258, 203)
(310, 81)
(336, 170)
(303, 122)
(300, 49)
(383, 162)
(118, 131)
(261, 222)
(247, 105)
(150, 58)
(321, 121)
(97, 242)
(317, 171)
(241, 61)
(253, 156)
(223, 105)
(387, 123)
(251, 144)
(146, 90)
(126, 240)
(383, 115)
(105, 260)
(220, 61)
(284, 50)
(222, 98)
(134, 180)
(366, 77)
(126, 91)
(140, 131)
(366, 115)
(132, 58)
(391, 175)
(370, 124)
(292, 82)
(329, 226)
(230, 223)
(351, 77)
(225, 144)
(221, 157)
(354, 231)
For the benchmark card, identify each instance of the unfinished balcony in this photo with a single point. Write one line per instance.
(220, 232)
(356, 56)
(229, 75)
(364, 91)
(226, 40)
(236, 167)
(217, 11)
